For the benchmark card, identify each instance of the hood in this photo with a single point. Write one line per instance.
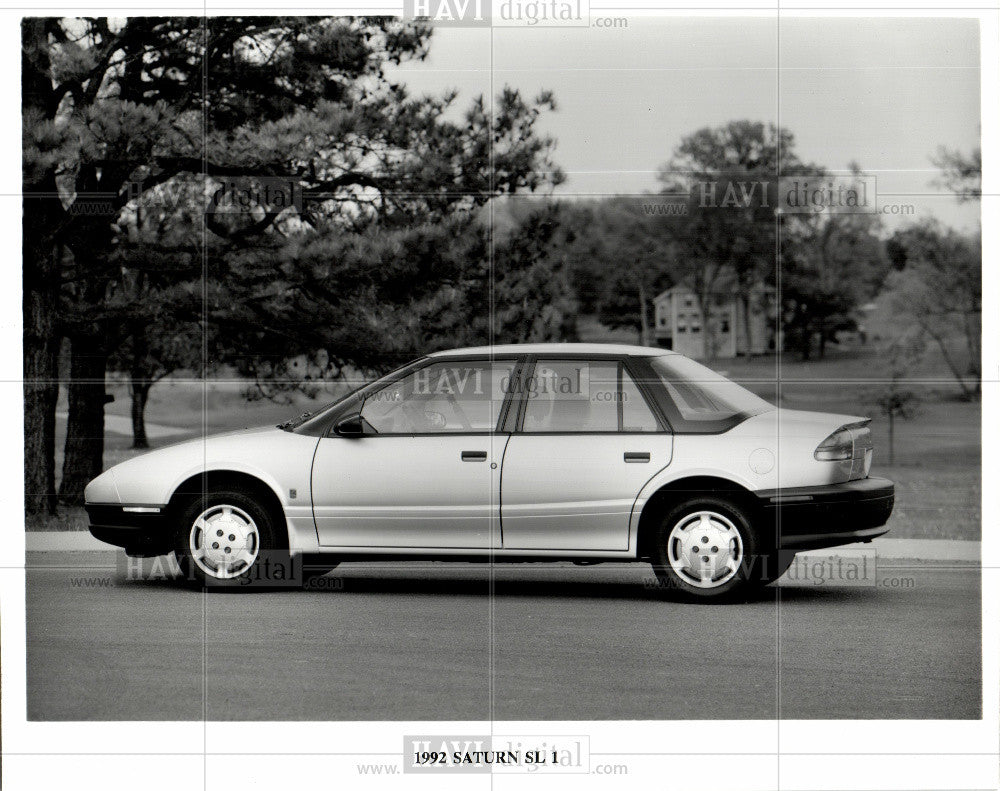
(220, 435)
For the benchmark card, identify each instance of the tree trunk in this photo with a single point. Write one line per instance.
(704, 311)
(805, 343)
(41, 213)
(748, 333)
(84, 457)
(967, 393)
(892, 454)
(644, 339)
(41, 391)
(140, 396)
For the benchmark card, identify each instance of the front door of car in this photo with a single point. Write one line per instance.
(587, 442)
(425, 473)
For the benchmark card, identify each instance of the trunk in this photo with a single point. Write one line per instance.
(821, 351)
(706, 331)
(140, 396)
(643, 318)
(805, 343)
(973, 337)
(84, 457)
(41, 372)
(747, 332)
(892, 454)
(41, 390)
(41, 214)
(967, 393)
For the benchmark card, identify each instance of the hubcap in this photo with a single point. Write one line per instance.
(705, 549)
(224, 541)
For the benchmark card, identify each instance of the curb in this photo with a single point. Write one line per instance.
(888, 548)
(940, 549)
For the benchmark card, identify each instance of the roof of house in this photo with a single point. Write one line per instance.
(680, 287)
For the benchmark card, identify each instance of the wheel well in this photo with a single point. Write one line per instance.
(220, 479)
(668, 495)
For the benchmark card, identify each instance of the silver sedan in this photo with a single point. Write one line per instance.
(540, 452)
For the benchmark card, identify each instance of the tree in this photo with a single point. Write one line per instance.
(961, 173)
(830, 264)
(936, 287)
(893, 399)
(619, 256)
(729, 176)
(114, 110)
(43, 217)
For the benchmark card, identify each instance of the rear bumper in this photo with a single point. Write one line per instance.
(814, 517)
(140, 533)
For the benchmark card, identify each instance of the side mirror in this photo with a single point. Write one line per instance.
(350, 426)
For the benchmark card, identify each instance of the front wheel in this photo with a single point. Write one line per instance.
(226, 539)
(706, 548)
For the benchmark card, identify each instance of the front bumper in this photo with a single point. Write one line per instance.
(141, 530)
(814, 517)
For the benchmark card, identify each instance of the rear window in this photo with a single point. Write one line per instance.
(699, 395)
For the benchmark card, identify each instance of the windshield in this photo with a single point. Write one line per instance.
(701, 394)
(355, 394)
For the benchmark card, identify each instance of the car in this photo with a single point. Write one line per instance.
(533, 452)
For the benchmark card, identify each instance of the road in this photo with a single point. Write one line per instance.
(552, 642)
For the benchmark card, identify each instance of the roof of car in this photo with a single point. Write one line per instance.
(557, 348)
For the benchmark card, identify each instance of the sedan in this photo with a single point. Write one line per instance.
(523, 453)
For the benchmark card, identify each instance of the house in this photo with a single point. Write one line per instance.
(678, 323)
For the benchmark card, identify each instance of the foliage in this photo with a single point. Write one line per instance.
(936, 288)
(961, 173)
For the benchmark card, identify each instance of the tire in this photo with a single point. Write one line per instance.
(706, 549)
(246, 550)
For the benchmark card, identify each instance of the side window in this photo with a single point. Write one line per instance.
(636, 414)
(585, 397)
(441, 397)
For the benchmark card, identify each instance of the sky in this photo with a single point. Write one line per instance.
(882, 92)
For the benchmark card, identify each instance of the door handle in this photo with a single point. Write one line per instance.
(632, 457)
(473, 455)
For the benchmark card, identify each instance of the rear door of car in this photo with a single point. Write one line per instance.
(584, 440)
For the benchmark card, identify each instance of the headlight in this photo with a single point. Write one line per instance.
(839, 446)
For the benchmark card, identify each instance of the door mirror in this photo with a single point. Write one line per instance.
(350, 426)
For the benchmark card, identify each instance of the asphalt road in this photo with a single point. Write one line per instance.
(428, 641)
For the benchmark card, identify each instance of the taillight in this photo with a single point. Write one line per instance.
(839, 446)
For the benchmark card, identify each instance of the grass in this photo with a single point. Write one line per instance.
(936, 465)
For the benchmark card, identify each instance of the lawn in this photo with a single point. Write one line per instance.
(936, 466)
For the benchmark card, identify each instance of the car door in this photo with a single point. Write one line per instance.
(426, 471)
(587, 440)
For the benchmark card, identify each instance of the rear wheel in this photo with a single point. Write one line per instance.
(227, 539)
(707, 549)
